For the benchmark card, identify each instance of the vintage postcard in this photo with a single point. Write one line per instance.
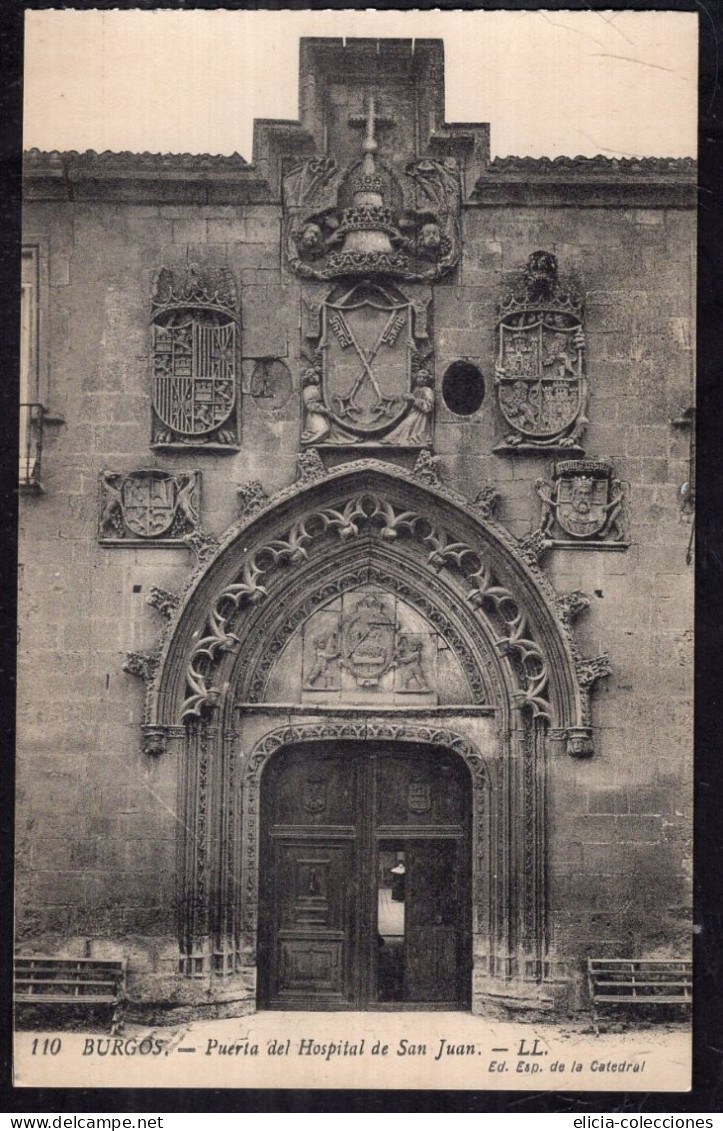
(356, 595)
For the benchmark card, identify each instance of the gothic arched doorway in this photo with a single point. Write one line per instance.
(239, 676)
(365, 877)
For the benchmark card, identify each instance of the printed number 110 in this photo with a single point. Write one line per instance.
(48, 1047)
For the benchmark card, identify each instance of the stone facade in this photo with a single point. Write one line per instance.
(109, 775)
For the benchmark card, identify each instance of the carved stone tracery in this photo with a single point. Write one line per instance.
(375, 522)
(331, 535)
(346, 520)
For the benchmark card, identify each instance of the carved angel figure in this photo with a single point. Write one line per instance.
(416, 428)
(316, 415)
(322, 674)
(408, 659)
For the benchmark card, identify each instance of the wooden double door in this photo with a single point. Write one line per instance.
(365, 898)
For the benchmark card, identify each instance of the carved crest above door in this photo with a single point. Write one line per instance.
(540, 379)
(369, 382)
(369, 646)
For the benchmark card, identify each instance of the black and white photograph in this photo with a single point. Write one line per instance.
(356, 555)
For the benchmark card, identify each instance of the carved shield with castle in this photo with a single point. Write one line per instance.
(149, 504)
(193, 317)
(540, 393)
(582, 497)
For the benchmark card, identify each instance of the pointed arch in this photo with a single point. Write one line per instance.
(368, 512)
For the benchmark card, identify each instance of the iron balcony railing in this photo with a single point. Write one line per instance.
(31, 445)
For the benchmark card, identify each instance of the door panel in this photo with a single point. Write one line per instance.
(420, 790)
(324, 813)
(434, 921)
(315, 788)
(309, 865)
(312, 919)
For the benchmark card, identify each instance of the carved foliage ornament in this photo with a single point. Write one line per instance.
(150, 506)
(251, 498)
(582, 505)
(539, 379)
(369, 381)
(164, 601)
(194, 349)
(403, 226)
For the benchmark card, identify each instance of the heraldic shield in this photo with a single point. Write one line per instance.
(583, 489)
(367, 348)
(149, 504)
(367, 642)
(540, 377)
(194, 386)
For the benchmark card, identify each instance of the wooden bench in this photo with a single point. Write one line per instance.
(83, 982)
(638, 982)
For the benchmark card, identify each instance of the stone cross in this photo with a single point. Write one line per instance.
(371, 121)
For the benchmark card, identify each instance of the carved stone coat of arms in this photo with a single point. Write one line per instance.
(194, 359)
(583, 504)
(369, 383)
(148, 506)
(540, 380)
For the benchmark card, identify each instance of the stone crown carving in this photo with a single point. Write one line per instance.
(195, 287)
(405, 227)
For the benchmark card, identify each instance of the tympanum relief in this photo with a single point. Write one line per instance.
(368, 647)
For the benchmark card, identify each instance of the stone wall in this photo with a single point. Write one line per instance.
(97, 819)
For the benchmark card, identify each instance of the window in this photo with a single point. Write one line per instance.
(463, 388)
(31, 408)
